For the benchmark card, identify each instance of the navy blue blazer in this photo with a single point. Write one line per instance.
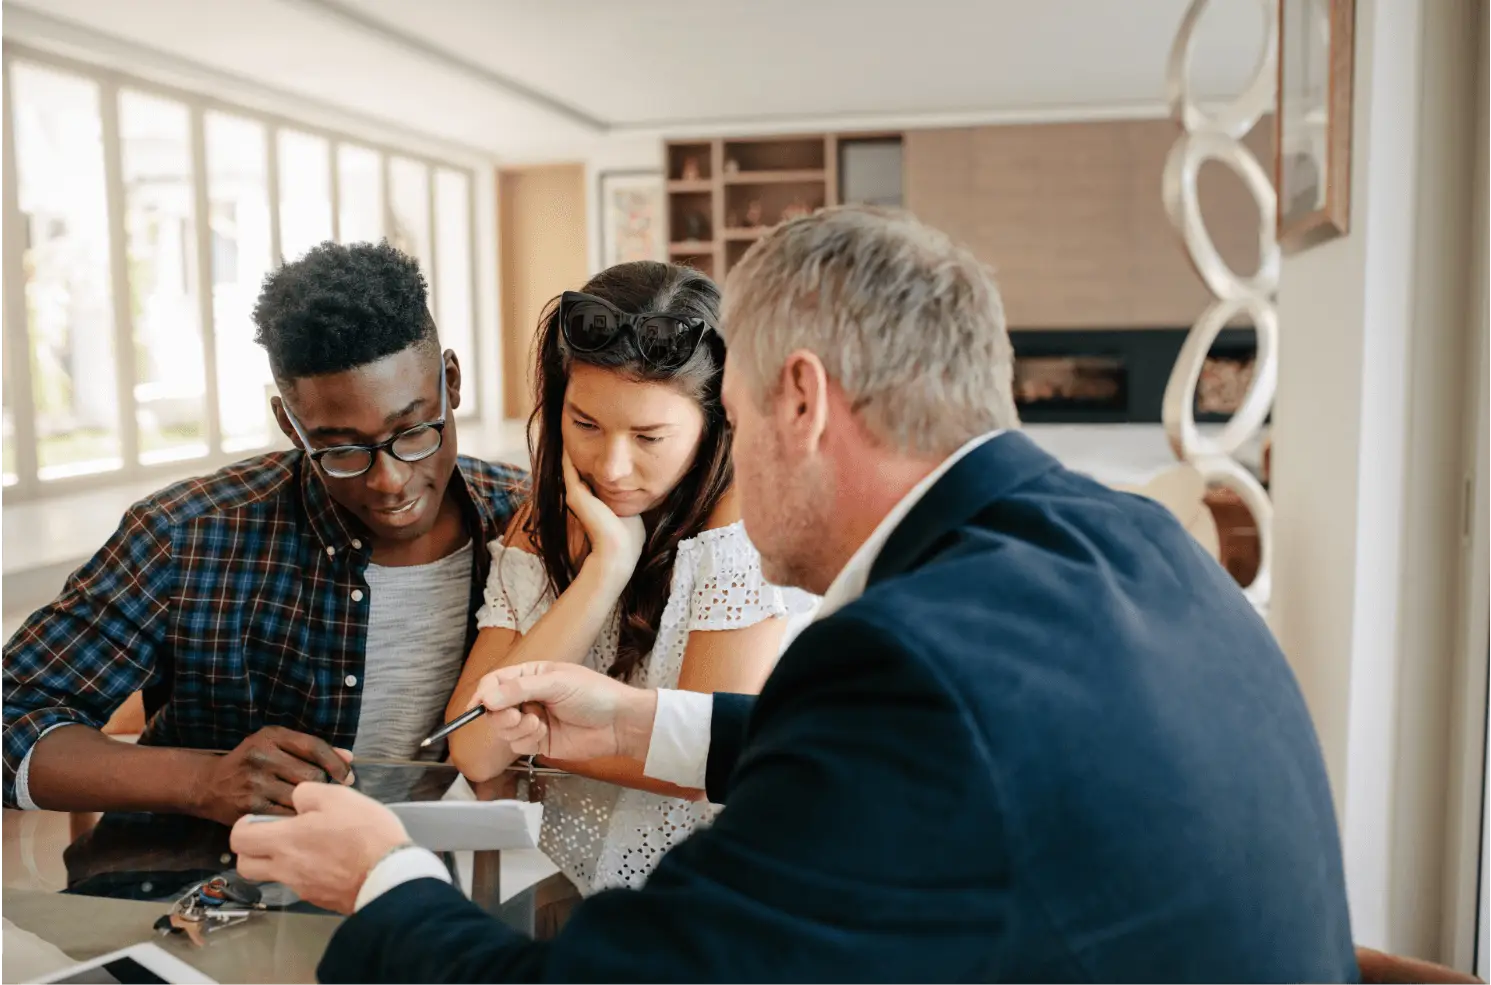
(1051, 742)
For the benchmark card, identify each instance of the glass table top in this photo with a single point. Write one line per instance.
(80, 885)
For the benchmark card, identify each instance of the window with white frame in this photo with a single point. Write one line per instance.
(140, 222)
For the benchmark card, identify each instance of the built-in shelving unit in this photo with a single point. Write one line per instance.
(724, 193)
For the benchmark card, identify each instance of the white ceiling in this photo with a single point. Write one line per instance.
(519, 77)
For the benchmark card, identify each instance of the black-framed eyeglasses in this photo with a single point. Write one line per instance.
(409, 445)
(590, 324)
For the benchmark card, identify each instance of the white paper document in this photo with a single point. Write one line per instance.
(28, 957)
(471, 825)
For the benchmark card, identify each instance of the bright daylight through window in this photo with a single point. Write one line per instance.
(148, 223)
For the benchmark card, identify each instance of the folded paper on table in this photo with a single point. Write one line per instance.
(471, 825)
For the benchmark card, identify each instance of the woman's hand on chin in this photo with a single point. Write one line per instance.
(615, 541)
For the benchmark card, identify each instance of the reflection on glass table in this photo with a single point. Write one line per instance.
(92, 884)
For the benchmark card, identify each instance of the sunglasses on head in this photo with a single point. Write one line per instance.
(665, 341)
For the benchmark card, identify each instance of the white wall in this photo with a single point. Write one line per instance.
(1465, 915)
(1367, 463)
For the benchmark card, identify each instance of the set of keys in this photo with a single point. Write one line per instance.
(210, 906)
(227, 900)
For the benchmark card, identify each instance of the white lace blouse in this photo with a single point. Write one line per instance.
(598, 834)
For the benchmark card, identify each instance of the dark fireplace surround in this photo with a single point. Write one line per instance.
(1118, 376)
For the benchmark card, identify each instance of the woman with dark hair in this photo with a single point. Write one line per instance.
(629, 555)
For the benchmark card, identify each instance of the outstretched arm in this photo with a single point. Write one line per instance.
(735, 661)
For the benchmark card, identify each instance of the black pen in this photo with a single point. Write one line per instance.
(454, 724)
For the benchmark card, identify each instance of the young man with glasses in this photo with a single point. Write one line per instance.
(292, 611)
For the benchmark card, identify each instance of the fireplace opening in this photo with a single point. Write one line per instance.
(1225, 377)
(1118, 376)
(1072, 383)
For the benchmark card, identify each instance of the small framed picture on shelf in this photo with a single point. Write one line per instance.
(1312, 146)
(633, 223)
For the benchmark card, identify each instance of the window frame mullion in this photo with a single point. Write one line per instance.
(119, 286)
(206, 276)
(17, 318)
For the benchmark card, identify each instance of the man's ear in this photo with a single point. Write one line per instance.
(802, 399)
(452, 378)
(286, 428)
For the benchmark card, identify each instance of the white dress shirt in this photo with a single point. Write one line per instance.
(679, 750)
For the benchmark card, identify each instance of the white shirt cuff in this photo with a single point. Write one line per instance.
(405, 865)
(23, 774)
(679, 751)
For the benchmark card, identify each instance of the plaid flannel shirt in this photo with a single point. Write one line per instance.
(234, 601)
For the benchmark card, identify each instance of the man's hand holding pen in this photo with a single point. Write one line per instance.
(567, 712)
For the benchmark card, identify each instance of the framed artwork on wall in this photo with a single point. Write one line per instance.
(632, 219)
(1312, 146)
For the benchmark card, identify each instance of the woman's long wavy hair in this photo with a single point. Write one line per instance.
(635, 288)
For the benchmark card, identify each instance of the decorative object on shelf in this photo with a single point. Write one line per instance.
(696, 225)
(690, 169)
(1312, 120)
(1218, 137)
(796, 210)
(631, 214)
(744, 182)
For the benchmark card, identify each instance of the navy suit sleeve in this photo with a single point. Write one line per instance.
(727, 731)
(818, 868)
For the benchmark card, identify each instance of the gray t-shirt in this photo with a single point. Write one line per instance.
(416, 648)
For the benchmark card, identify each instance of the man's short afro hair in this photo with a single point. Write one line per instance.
(339, 307)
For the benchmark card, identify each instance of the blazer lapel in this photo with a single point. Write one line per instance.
(982, 476)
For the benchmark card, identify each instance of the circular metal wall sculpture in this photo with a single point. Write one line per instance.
(1216, 135)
